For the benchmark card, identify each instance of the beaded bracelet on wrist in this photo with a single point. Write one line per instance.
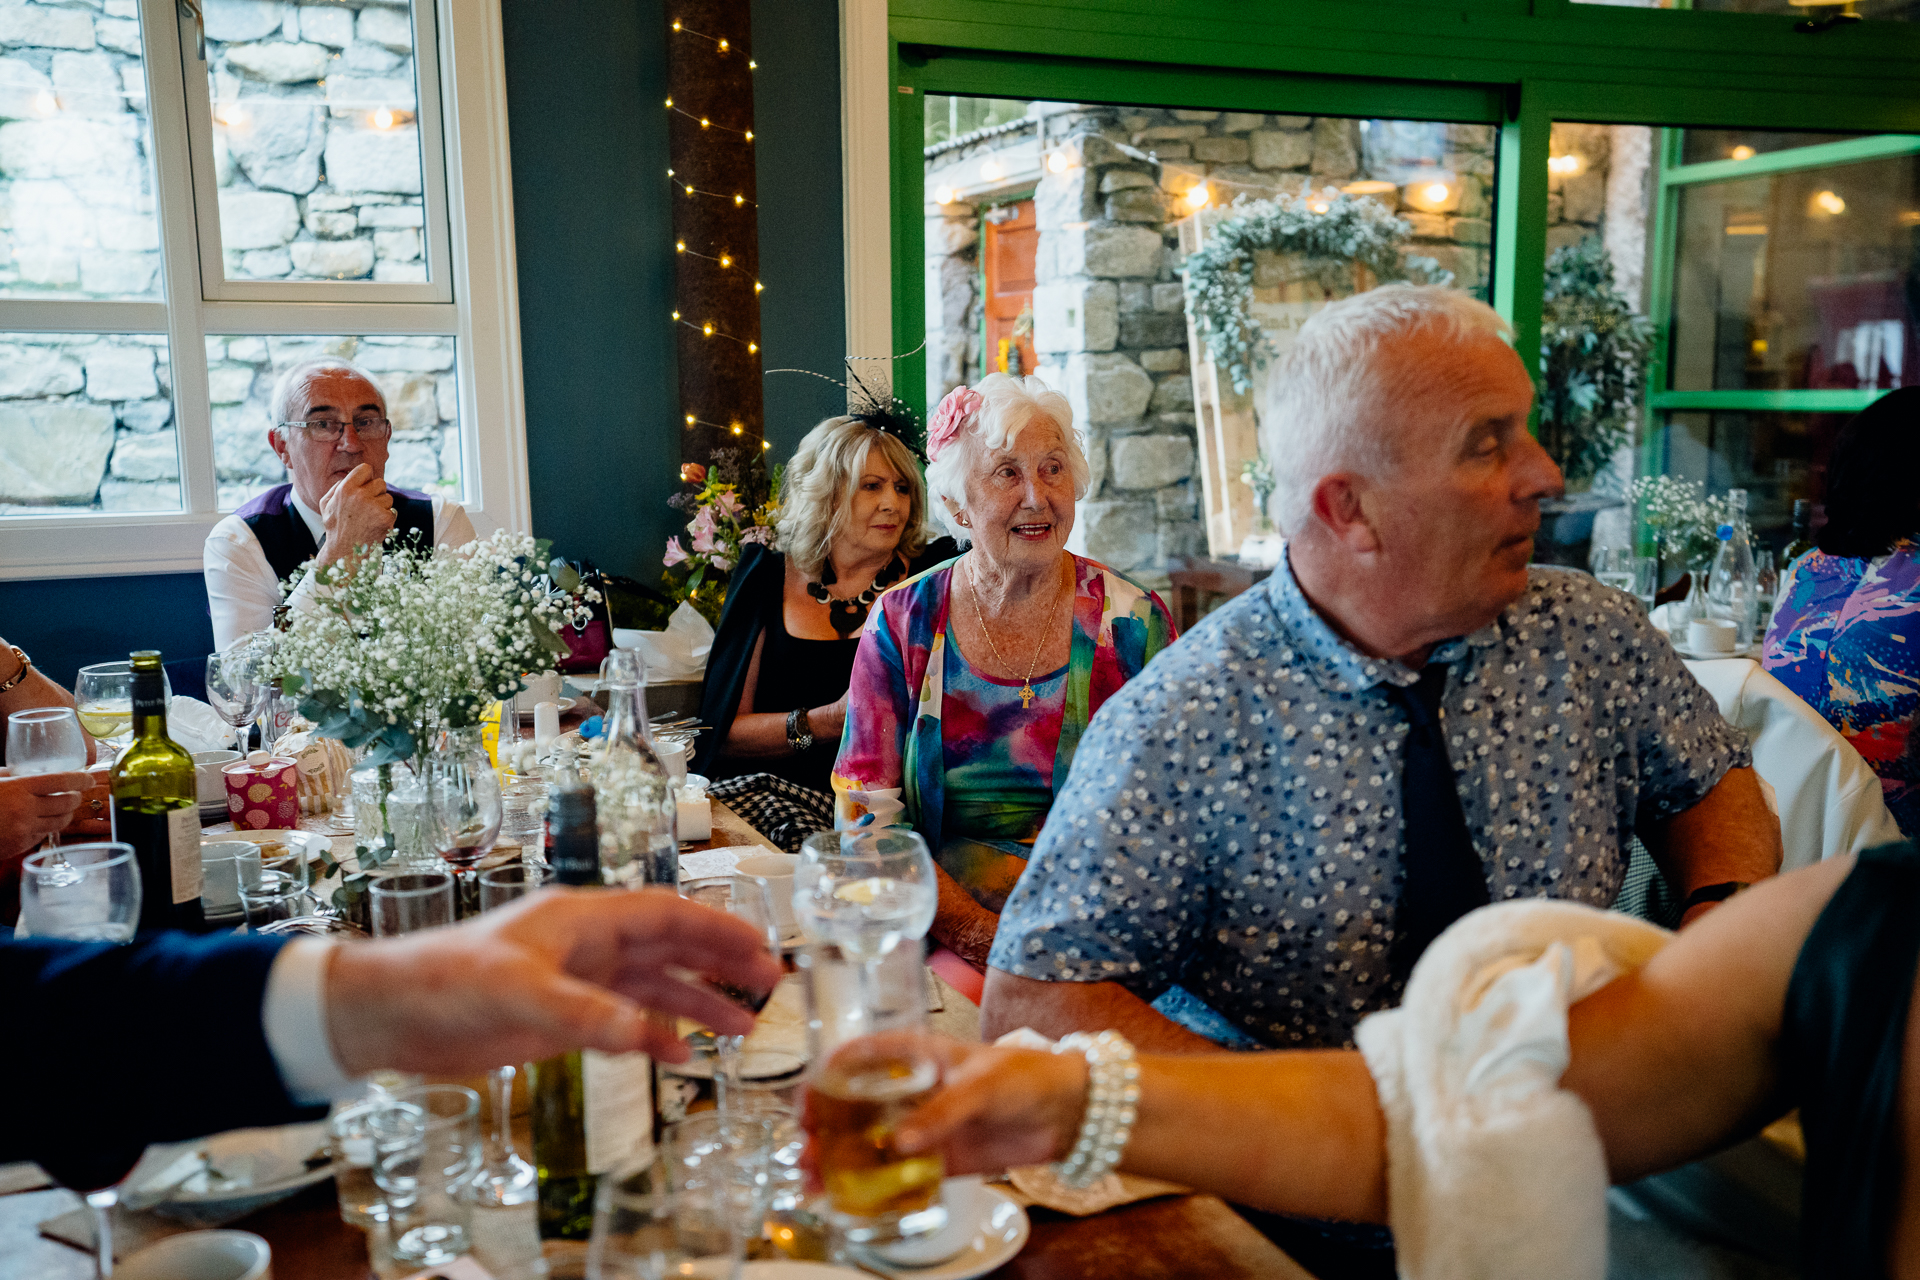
(1113, 1099)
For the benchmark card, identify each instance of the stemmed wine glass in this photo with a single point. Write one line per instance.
(233, 692)
(749, 898)
(505, 1179)
(103, 693)
(463, 807)
(45, 740)
(865, 889)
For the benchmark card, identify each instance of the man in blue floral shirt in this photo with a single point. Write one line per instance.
(1231, 843)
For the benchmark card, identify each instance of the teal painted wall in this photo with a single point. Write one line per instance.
(585, 80)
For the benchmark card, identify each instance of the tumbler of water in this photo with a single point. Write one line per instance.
(865, 889)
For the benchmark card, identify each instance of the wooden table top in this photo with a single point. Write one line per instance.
(1171, 1237)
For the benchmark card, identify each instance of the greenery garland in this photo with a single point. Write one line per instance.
(1330, 228)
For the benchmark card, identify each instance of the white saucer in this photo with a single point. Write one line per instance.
(1738, 651)
(1000, 1231)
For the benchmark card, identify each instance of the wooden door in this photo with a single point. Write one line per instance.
(1011, 239)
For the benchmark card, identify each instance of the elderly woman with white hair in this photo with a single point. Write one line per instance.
(976, 679)
(330, 430)
(853, 521)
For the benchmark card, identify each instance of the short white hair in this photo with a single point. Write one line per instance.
(1009, 406)
(1326, 409)
(289, 400)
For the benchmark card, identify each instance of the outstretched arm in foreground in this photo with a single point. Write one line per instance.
(1675, 1060)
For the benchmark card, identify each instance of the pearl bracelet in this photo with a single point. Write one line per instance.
(1113, 1098)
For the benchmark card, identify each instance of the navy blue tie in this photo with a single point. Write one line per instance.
(1443, 878)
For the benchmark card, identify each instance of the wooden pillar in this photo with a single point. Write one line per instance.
(715, 225)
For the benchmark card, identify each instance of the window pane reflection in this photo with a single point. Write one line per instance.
(316, 149)
(414, 373)
(76, 177)
(86, 423)
(1803, 279)
(1775, 457)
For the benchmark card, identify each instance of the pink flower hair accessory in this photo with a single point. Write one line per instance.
(955, 408)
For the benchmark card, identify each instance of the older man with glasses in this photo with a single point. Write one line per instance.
(331, 430)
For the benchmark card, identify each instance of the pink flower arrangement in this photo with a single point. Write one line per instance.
(723, 525)
(703, 530)
(958, 405)
(675, 553)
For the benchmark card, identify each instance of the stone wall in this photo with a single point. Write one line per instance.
(87, 421)
(1109, 306)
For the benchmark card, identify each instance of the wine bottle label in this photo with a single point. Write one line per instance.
(149, 698)
(618, 1088)
(183, 848)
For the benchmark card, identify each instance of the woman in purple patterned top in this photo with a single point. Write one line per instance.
(1846, 631)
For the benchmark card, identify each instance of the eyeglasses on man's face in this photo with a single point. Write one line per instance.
(369, 427)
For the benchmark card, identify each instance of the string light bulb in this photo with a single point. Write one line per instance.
(1435, 191)
(704, 122)
(230, 115)
(736, 428)
(1197, 196)
(689, 419)
(757, 286)
(679, 246)
(669, 103)
(707, 328)
(1560, 166)
(739, 199)
(1318, 206)
(1058, 162)
(726, 260)
(752, 65)
(766, 444)
(992, 171)
(676, 24)
(1742, 152)
(1827, 202)
(749, 135)
(943, 195)
(753, 348)
(676, 315)
(689, 188)
(724, 46)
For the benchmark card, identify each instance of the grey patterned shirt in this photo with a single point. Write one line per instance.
(1231, 824)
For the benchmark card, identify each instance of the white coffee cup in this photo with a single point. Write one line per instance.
(201, 1255)
(536, 690)
(674, 756)
(207, 765)
(1712, 635)
(777, 870)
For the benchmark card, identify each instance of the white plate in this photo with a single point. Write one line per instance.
(999, 1234)
(258, 1163)
(311, 843)
(1738, 651)
(788, 1269)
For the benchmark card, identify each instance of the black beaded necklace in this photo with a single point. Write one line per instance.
(847, 615)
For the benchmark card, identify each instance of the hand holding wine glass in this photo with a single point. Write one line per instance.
(36, 807)
(45, 741)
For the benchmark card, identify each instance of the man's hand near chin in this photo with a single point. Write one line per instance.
(562, 969)
(358, 512)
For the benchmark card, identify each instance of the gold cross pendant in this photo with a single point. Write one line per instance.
(1026, 696)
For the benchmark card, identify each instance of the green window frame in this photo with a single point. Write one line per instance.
(1518, 64)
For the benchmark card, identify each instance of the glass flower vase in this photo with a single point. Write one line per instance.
(390, 821)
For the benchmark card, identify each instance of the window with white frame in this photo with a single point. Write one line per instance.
(190, 201)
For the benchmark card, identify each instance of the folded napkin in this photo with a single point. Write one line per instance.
(1038, 1184)
(679, 652)
(25, 1176)
(704, 864)
(1493, 1171)
(196, 726)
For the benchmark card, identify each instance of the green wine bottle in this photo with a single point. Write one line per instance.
(156, 807)
(591, 1111)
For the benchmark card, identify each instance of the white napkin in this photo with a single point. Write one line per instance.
(1493, 1171)
(196, 726)
(679, 652)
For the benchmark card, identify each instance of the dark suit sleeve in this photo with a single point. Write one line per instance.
(110, 1048)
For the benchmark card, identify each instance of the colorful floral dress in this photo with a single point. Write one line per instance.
(932, 742)
(1845, 637)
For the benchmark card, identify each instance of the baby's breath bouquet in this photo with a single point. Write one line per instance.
(403, 642)
(1680, 518)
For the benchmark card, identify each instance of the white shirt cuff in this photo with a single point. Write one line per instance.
(294, 1017)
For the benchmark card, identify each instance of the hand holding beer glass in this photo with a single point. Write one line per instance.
(866, 900)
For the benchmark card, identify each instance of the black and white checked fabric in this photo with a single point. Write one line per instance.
(782, 811)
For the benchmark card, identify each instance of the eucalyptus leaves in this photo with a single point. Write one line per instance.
(1331, 229)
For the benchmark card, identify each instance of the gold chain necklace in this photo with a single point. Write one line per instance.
(1027, 695)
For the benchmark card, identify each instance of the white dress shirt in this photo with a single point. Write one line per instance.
(242, 591)
(293, 1013)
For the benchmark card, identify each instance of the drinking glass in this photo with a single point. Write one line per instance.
(872, 1067)
(648, 1227)
(273, 896)
(1646, 580)
(865, 889)
(748, 898)
(351, 1136)
(233, 692)
(411, 902)
(227, 866)
(463, 808)
(91, 896)
(750, 1158)
(103, 694)
(1613, 566)
(1766, 588)
(45, 740)
(504, 1179)
(426, 1144)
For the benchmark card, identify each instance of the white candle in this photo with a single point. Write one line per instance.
(546, 724)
